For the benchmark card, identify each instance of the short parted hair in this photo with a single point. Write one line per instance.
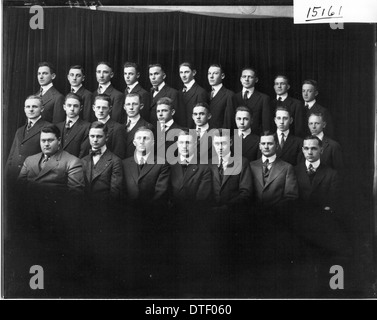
(133, 94)
(320, 143)
(185, 132)
(282, 76)
(77, 66)
(282, 108)
(167, 101)
(203, 105)
(217, 65)
(187, 64)
(156, 65)
(51, 128)
(144, 129)
(100, 125)
(129, 64)
(251, 69)
(244, 109)
(106, 63)
(268, 133)
(47, 64)
(221, 132)
(318, 114)
(104, 97)
(35, 97)
(311, 82)
(72, 95)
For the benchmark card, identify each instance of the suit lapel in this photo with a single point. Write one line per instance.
(33, 131)
(286, 146)
(109, 90)
(101, 165)
(191, 93)
(219, 95)
(73, 132)
(274, 172)
(52, 163)
(229, 171)
(319, 176)
(146, 169)
(190, 172)
(48, 95)
(160, 94)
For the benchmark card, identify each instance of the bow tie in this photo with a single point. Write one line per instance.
(94, 153)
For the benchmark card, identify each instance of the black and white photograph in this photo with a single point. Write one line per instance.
(189, 150)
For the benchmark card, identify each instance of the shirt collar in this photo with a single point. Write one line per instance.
(190, 84)
(314, 164)
(75, 89)
(72, 120)
(138, 157)
(34, 121)
(105, 86)
(132, 86)
(184, 159)
(217, 88)
(279, 132)
(251, 91)
(283, 96)
(134, 119)
(105, 120)
(103, 150)
(246, 132)
(203, 128)
(311, 103)
(270, 159)
(225, 160)
(169, 124)
(162, 84)
(321, 135)
(46, 88)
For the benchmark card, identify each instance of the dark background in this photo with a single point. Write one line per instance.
(341, 60)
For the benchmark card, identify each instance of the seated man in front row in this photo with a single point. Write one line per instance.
(274, 180)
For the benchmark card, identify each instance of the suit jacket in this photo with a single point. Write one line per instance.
(222, 109)
(104, 180)
(280, 187)
(130, 148)
(52, 102)
(170, 137)
(187, 102)
(298, 113)
(117, 102)
(205, 148)
(332, 154)
(292, 149)
(235, 190)
(116, 138)
(259, 105)
(329, 129)
(87, 112)
(62, 175)
(323, 192)
(166, 91)
(250, 147)
(24, 145)
(76, 140)
(192, 186)
(150, 186)
(145, 100)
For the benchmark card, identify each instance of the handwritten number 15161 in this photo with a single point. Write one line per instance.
(320, 13)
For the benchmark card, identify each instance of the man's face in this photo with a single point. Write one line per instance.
(283, 120)
(309, 93)
(311, 149)
(186, 74)
(156, 76)
(75, 77)
(72, 108)
(104, 74)
(45, 76)
(215, 76)
(222, 145)
(186, 145)
(101, 109)
(143, 141)
(248, 79)
(200, 116)
(49, 143)
(33, 108)
(281, 86)
(316, 125)
(97, 138)
(164, 113)
(130, 75)
(267, 146)
(243, 120)
(132, 106)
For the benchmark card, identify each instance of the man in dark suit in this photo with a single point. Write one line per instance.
(131, 77)
(257, 102)
(221, 105)
(76, 77)
(167, 129)
(74, 130)
(332, 152)
(189, 96)
(295, 107)
(27, 138)
(250, 141)
(289, 146)
(274, 180)
(146, 181)
(133, 107)
(160, 90)
(309, 94)
(103, 170)
(116, 141)
(52, 99)
(104, 74)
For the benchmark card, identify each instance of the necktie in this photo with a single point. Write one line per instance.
(221, 169)
(94, 153)
(44, 161)
(68, 125)
(141, 164)
(41, 92)
(163, 127)
(280, 101)
(245, 96)
(73, 90)
(212, 93)
(128, 125)
(198, 133)
(100, 89)
(311, 172)
(184, 166)
(154, 90)
(29, 125)
(266, 171)
(127, 91)
(243, 135)
(307, 106)
(184, 90)
(282, 140)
